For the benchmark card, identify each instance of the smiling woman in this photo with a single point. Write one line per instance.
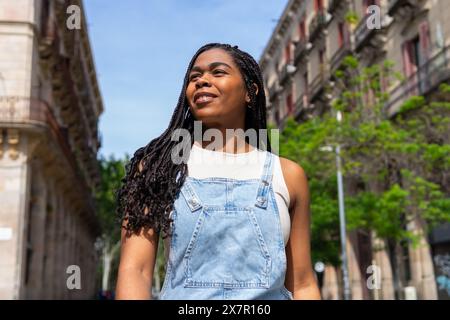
(229, 232)
(216, 81)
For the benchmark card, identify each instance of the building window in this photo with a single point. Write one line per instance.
(321, 60)
(287, 52)
(424, 36)
(45, 14)
(289, 104)
(406, 262)
(318, 6)
(302, 30)
(341, 35)
(29, 240)
(305, 82)
(411, 56)
(368, 3)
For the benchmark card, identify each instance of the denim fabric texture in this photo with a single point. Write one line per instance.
(227, 241)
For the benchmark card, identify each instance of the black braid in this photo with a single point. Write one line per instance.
(146, 196)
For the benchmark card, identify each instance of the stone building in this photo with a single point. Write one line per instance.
(308, 44)
(50, 105)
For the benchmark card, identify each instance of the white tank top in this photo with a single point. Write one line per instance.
(204, 163)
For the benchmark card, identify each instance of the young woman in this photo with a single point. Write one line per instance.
(235, 229)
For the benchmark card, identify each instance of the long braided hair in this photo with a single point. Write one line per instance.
(153, 181)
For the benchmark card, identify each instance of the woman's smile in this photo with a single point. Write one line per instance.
(203, 100)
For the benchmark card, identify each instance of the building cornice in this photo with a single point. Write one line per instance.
(280, 31)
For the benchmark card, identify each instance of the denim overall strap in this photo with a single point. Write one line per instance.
(193, 201)
(265, 181)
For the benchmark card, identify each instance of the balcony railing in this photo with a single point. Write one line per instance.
(395, 5)
(285, 74)
(364, 34)
(333, 5)
(32, 112)
(300, 105)
(283, 121)
(301, 50)
(318, 84)
(317, 24)
(426, 80)
(339, 56)
(20, 110)
(273, 91)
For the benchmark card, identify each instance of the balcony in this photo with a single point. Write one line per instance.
(274, 89)
(317, 25)
(34, 113)
(299, 109)
(395, 6)
(282, 122)
(317, 86)
(424, 82)
(372, 37)
(286, 72)
(339, 55)
(334, 5)
(300, 105)
(301, 50)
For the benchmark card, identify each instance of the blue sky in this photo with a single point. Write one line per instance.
(142, 49)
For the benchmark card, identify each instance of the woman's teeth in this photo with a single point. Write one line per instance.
(204, 98)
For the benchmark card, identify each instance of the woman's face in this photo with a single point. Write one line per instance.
(216, 76)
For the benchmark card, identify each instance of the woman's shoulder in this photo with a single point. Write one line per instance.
(294, 177)
(291, 166)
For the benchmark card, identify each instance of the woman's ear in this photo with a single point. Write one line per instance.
(247, 97)
(256, 88)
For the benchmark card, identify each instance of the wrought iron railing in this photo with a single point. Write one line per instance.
(18, 110)
(427, 79)
(319, 81)
(300, 50)
(364, 32)
(317, 24)
(339, 55)
(284, 74)
(394, 5)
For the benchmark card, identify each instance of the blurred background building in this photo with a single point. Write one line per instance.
(307, 46)
(50, 105)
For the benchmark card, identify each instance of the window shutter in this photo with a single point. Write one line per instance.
(406, 48)
(424, 36)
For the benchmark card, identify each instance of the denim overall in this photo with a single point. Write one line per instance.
(227, 241)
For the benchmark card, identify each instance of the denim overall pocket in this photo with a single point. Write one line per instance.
(227, 249)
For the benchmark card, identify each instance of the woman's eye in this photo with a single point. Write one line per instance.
(194, 76)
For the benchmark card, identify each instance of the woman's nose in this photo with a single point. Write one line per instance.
(201, 82)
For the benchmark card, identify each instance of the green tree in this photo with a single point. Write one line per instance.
(112, 171)
(400, 164)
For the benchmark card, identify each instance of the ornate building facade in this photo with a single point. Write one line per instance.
(308, 44)
(50, 104)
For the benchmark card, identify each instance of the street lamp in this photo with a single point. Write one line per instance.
(343, 233)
